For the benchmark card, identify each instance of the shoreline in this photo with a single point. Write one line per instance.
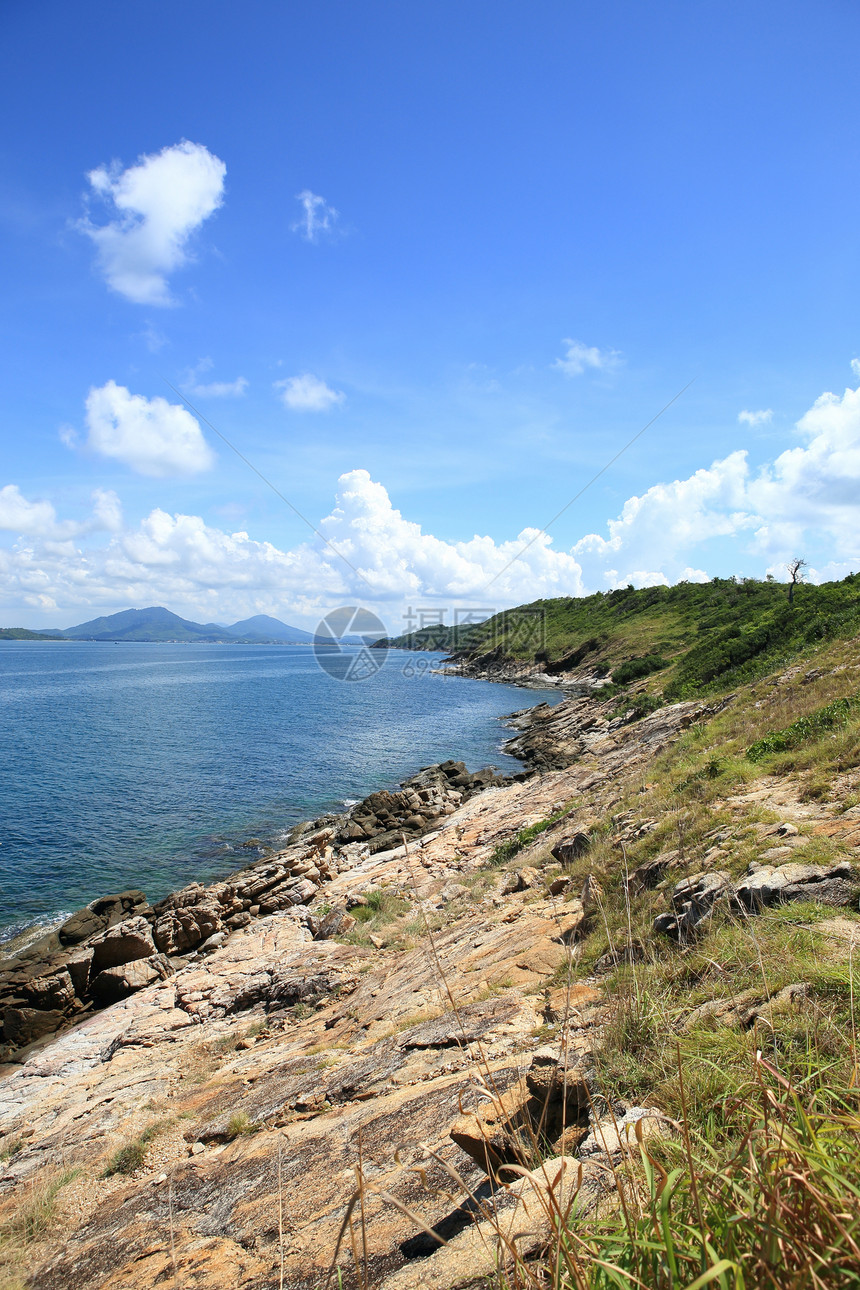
(207, 846)
(37, 1011)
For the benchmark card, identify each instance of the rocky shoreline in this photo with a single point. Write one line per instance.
(120, 943)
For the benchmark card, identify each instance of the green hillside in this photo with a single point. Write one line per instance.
(680, 641)
(24, 634)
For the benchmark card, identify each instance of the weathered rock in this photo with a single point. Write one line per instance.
(499, 1133)
(116, 983)
(620, 1135)
(182, 929)
(25, 1025)
(526, 1213)
(591, 895)
(651, 872)
(337, 922)
(563, 1085)
(49, 992)
(837, 884)
(100, 914)
(121, 944)
(693, 900)
(571, 848)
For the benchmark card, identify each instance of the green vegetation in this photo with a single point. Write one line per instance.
(756, 1180)
(380, 909)
(700, 637)
(833, 716)
(239, 1125)
(518, 841)
(24, 634)
(130, 1157)
(634, 669)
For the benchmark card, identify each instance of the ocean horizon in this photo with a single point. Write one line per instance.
(154, 765)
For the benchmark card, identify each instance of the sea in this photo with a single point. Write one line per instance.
(154, 765)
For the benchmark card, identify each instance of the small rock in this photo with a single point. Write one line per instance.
(571, 848)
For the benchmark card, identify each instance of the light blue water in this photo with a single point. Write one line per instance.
(148, 765)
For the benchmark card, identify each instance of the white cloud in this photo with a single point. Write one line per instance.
(152, 436)
(756, 418)
(809, 496)
(666, 523)
(18, 515)
(804, 502)
(185, 563)
(578, 358)
(158, 203)
(38, 519)
(212, 389)
(317, 216)
(221, 389)
(855, 367)
(308, 393)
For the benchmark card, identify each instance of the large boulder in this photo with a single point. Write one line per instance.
(837, 884)
(25, 1025)
(116, 983)
(100, 914)
(121, 944)
(54, 991)
(180, 930)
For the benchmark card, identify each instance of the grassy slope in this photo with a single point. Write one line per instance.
(759, 1184)
(710, 636)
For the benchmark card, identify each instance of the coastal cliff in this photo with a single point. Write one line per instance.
(398, 1051)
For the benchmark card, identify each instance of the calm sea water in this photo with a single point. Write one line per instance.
(149, 765)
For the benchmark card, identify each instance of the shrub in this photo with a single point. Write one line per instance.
(633, 669)
(806, 729)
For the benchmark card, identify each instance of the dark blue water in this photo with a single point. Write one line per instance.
(149, 765)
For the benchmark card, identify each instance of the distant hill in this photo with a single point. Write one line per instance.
(153, 624)
(157, 624)
(24, 634)
(263, 628)
(689, 639)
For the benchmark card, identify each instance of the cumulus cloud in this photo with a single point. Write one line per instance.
(308, 393)
(152, 436)
(371, 554)
(578, 358)
(855, 367)
(317, 218)
(38, 518)
(157, 205)
(810, 493)
(18, 515)
(756, 418)
(806, 500)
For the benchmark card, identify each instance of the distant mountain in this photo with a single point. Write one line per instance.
(159, 624)
(263, 628)
(153, 624)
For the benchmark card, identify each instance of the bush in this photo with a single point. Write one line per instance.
(633, 669)
(806, 729)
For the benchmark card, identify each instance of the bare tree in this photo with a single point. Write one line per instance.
(795, 569)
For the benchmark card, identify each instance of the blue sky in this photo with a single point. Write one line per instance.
(429, 267)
